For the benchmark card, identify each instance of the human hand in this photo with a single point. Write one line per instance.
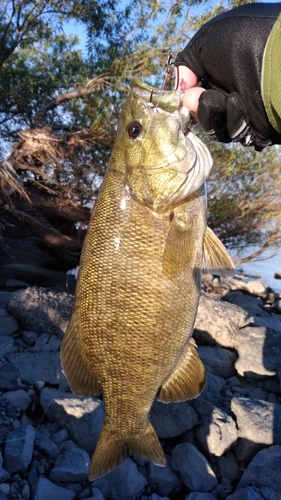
(226, 56)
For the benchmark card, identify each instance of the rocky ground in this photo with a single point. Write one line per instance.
(226, 444)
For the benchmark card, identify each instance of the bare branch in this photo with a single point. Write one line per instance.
(68, 96)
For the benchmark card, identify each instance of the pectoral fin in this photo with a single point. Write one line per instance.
(178, 249)
(79, 376)
(187, 381)
(215, 256)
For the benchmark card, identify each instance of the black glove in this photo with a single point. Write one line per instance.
(226, 54)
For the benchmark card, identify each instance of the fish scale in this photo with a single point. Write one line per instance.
(138, 288)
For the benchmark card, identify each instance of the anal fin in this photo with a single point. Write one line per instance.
(216, 258)
(79, 376)
(188, 379)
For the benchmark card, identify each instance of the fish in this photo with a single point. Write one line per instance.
(138, 287)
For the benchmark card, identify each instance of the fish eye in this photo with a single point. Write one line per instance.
(134, 130)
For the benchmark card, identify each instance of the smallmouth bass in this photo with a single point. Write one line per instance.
(139, 279)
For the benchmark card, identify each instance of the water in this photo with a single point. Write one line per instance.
(265, 269)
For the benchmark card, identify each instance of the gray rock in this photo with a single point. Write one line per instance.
(4, 474)
(229, 468)
(46, 490)
(194, 469)
(259, 425)
(218, 360)
(249, 493)
(4, 298)
(18, 399)
(36, 366)
(18, 449)
(213, 389)
(253, 305)
(60, 436)
(259, 352)
(124, 482)
(200, 496)
(217, 431)
(97, 495)
(29, 337)
(9, 376)
(268, 493)
(44, 443)
(7, 345)
(37, 309)
(218, 322)
(163, 480)
(8, 325)
(172, 419)
(264, 470)
(25, 492)
(156, 497)
(72, 466)
(277, 275)
(81, 416)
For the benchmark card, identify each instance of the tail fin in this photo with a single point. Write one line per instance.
(112, 450)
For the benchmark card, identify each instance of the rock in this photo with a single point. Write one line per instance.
(216, 432)
(9, 376)
(97, 495)
(4, 298)
(25, 492)
(249, 493)
(257, 288)
(72, 466)
(18, 449)
(264, 470)
(60, 436)
(259, 352)
(277, 306)
(213, 389)
(81, 416)
(36, 366)
(217, 360)
(44, 443)
(259, 425)
(29, 337)
(8, 326)
(194, 469)
(163, 479)
(156, 497)
(277, 275)
(7, 345)
(253, 305)
(4, 474)
(46, 490)
(200, 496)
(40, 310)
(218, 322)
(172, 419)
(229, 468)
(124, 482)
(18, 399)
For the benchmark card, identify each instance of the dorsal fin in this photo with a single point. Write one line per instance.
(216, 258)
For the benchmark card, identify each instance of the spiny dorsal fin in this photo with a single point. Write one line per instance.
(216, 258)
(178, 249)
(79, 376)
(188, 379)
